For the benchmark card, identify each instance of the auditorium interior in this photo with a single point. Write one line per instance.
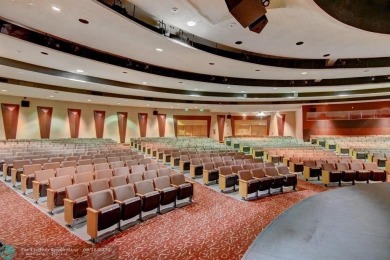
(236, 129)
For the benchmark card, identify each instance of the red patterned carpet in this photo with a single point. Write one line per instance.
(214, 227)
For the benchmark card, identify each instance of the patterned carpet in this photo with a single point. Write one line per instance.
(214, 227)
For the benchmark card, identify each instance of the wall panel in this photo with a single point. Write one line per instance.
(44, 117)
(10, 114)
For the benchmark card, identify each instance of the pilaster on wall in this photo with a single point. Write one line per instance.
(44, 118)
(99, 117)
(161, 118)
(10, 114)
(122, 124)
(143, 123)
(281, 119)
(221, 126)
(74, 116)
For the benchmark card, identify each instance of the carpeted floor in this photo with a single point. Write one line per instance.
(214, 227)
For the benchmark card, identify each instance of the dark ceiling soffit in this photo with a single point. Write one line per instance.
(130, 86)
(100, 56)
(114, 95)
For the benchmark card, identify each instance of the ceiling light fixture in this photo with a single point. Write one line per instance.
(55, 8)
(175, 9)
(261, 114)
(144, 82)
(265, 2)
(159, 50)
(4, 90)
(80, 71)
(191, 23)
(51, 96)
(304, 73)
(89, 100)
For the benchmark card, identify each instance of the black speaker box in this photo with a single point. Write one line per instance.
(229, 117)
(25, 103)
(155, 112)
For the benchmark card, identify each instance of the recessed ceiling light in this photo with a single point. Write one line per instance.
(89, 100)
(30, 3)
(238, 42)
(144, 82)
(275, 88)
(4, 90)
(175, 9)
(257, 70)
(80, 71)
(124, 72)
(83, 21)
(195, 89)
(228, 87)
(299, 43)
(244, 114)
(118, 103)
(191, 23)
(44, 53)
(326, 55)
(51, 96)
(242, 91)
(160, 50)
(196, 107)
(304, 73)
(55, 8)
(293, 91)
(147, 105)
(211, 63)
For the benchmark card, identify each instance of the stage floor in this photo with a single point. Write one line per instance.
(346, 223)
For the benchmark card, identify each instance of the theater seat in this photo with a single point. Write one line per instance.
(210, 173)
(163, 172)
(196, 167)
(121, 171)
(102, 212)
(264, 181)
(118, 181)
(56, 191)
(289, 179)
(226, 178)
(185, 189)
(361, 174)
(247, 184)
(330, 174)
(28, 176)
(184, 163)
(17, 170)
(41, 182)
(376, 174)
(347, 175)
(310, 169)
(103, 174)
(130, 204)
(98, 185)
(150, 198)
(134, 177)
(75, 202)
(167, 192)
(277, 180)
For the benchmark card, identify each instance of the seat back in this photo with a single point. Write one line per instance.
(123, 192)
(206, 159)
(117, 164)
(137, 168)
(113, 159)
(103, 174)
(271, 171)
(342, 166)
(145, 161)
(18, 164)
(143, 187)
(152, 166)
(228, 163)
(44, 175)
(218, 164)
(135, 177)
(57, 159)
(224, 170)
(67, 171)
(245, 175)
(150, 174)
(282, 169)
(370, 166)
(121, 171)
(309, 163)
(195, 161)
(99, 160)
(86, 157)
(59, 182)
(76, 191)
(178, 178)
(248, 166)
(217, 159)
(162, 182)
(356, 166)
(40, 161)
(248, 161)
(163, 172)
(98, 185)
(184, 158)
(72, 158)
(100, 199)
(319, 163)
(84, 168)
(235, 168)
(238, 161)
(53, 166)
(83, 177)
(258, 165)
(328, 167)
(102, 166)
(69, 164)
(258, 173)
(85, 162)
(118, 181)
(208, 166)
(130, 163)
(31, 169)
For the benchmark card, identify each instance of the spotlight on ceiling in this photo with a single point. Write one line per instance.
(261, 114)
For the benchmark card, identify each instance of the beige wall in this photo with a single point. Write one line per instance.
(28, 126)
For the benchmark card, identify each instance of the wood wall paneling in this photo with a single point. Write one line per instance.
(122, 124)
(143, 123)
(221, 126)
(161, 118)
(99, 117)
(180, 117)
(10, 114)
(74, 116)
(258, 130)
(281, 119)
(44, 117)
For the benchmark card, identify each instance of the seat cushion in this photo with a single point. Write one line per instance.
(108, 216)
(131, 208)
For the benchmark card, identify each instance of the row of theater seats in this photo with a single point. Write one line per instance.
(108, 201)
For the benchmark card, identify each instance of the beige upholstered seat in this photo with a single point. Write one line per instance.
(185, 189)
(247, 184)
(137, 168)
(84, 168)
(135, 177)
(70, 171)
(121, 171)
(75, 202)
(84, 177)
(98, 185)
(150, 198)
(118, 181)
(150, 175)
(167, 192)
(103, 174)
(130, 204)
(163, 172)
(102, 166)
(28, 176)
(40, 183)
(69, 164)
(56, 191)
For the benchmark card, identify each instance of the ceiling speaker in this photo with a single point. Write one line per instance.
(25, 103)
(229, 117)
(155, 112)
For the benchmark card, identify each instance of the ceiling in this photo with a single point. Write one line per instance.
(290, 21)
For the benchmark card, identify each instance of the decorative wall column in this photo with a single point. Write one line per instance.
(10, 119)
(221, 126)
(161, 118)
(99, 117)
(74, 116)
(122, 124)
(143, 123)
(281, 118)
(44, 117)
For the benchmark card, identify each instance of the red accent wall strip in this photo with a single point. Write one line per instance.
(99, 117)
(221, 126)
(10, 119)
(44, 116)
(281, 119)
(74, 116)
(143, 123)
(161, 118)
(122, 124)
(346, 127)
(234, 118)
(177, 117)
